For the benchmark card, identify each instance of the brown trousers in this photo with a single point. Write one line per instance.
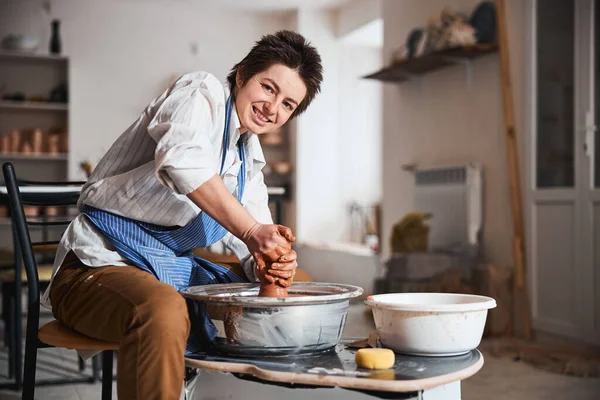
(126, 305)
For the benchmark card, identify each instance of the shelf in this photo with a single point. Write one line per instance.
(32, 157)
(23, 56)
(408, 69)
(274, 146)
(63, 219)
(8, 222)
(33, 105)
(276, 190)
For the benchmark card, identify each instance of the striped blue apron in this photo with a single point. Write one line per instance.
(166, 252)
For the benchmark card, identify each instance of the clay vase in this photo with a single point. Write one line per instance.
(15, 141)
(37, 141)
(27, 149)
(268, 289)
(5, 146)
(53, 144)
(55, 41)
(272, 290)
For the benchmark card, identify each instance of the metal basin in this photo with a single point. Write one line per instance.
(310, 320)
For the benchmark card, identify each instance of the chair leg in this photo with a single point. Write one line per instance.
(107, 374)
(18, 341)
(81, 364)
(6, 313)
(96, 368)
(29, 371)
(12, 341)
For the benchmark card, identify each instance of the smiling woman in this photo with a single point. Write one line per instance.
(284, 49)
(185, 175)
(269, 98)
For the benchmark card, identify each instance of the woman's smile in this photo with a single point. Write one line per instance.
(261, 118)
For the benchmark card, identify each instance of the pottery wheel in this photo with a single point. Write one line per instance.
(311, 319)
(338, 368)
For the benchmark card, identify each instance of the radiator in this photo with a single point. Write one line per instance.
(454, 195)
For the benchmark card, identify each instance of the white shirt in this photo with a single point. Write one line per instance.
(169, 151)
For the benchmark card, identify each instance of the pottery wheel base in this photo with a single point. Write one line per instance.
(224, 349)
(338, 368)
(310, 319)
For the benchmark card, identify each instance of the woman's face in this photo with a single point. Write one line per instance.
(268, 99)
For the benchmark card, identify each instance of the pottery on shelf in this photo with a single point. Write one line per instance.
(15, 141)
(54, 144)
(31, 211)
(53, 211)
(37, 140)
(5, 144)
(55, 41)
(281, 167)
(27, 149)
(20, 43)
(274, 138)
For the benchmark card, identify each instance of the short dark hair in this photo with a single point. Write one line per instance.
(290, 49)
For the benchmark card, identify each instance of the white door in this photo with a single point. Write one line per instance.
(563, 229)
(588, 115)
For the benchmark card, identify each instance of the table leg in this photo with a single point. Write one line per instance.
(450, 391)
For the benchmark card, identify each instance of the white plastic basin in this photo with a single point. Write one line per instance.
(430, 324)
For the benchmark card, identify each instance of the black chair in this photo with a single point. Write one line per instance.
(52, 334)
(11, 288)
(12, 311)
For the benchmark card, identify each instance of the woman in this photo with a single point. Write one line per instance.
(185, 175)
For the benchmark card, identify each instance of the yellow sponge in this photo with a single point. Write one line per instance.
(375, 358)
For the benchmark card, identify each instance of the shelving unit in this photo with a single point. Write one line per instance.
(411, 68)
(33, 105)
(279, 184)
(33, 77)
(34, 157)
(17, 56)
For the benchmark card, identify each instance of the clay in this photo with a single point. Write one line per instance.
(272, 290)
(52, 211)
(26, 148)
(5, 147)
(232, 314)
(15, 141)
(53, 144)
(269, 285)
(37, 141)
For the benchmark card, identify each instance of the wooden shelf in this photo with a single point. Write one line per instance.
(32, 157)
(23, 56)
(33, 105)
(408, 69)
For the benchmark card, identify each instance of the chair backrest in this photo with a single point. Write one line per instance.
(34, 193)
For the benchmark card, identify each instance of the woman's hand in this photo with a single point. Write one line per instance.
(284, 269)
(271, 247)
(267, 243)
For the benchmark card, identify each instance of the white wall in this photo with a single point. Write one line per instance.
(338, 139)
(319, 211)
(441, 121)
(360, 129)
(356, 14)
(124, 53)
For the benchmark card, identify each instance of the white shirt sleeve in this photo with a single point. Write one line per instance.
(184, 155)
(256, 202)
